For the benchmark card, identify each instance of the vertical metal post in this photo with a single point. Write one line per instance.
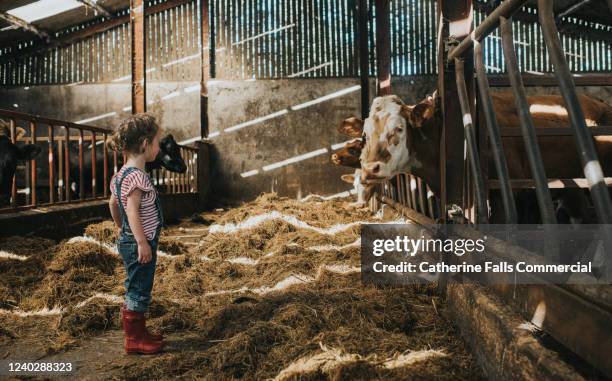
(105, 165)
(454, 19)
(584, 140)
(383, 48)
(362, 39)
(495, 136)
(137, 24)
(81, 169)
(67, 163)
(33, 166)
(13, 127)
(51, 167)
(207, 53)
(93, 165)
(529, 135)
(470, 138)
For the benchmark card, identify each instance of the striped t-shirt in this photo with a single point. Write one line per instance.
(148, 210)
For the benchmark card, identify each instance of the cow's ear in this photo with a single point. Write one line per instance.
(406, 112)
(352, 127)
(28, 152)
(19, 133)
(349, 178)
(421, 113)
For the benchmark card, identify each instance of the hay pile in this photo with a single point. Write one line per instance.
(274, 300)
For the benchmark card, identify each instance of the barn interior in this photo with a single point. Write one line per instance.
(260, 267)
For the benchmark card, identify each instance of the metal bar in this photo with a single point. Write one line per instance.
(105, 164)
(383, 50)
(497, 148)
(506, 9)
(60, 170)
(67, 163)
(422, 191)
(412, 192)
(93, 165)
(51, 167)
(586, 147)
(362, 34)
(13, 127)
(55, 122)
(138, 36)
(531, 143)
(33, 166)
(81, 177)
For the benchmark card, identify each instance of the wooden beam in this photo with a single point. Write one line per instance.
(22, 24)
(93, 5)
(137, 26)
(383, 50)
(71, 38)
(207, 47)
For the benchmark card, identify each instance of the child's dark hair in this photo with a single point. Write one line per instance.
(132, 131)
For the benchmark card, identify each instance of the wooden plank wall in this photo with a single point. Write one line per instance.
(258, 39)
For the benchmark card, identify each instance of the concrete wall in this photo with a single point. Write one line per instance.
(176, 104)
(255, 124)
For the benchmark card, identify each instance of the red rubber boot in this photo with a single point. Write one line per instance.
(150, 335)
(135, 339)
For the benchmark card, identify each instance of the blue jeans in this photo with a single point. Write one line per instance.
(140, 276)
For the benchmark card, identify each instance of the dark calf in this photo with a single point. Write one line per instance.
(10, 154)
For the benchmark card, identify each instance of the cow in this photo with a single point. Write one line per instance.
(406, 138)
(169, 157)
(10, 155)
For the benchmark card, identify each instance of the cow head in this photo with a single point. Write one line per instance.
(10, 154)
(169, 155)
(400, 138)
(348, 156)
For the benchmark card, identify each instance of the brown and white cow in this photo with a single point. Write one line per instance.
(405, 138)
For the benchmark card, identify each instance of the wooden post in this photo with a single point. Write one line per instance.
(383, 48)
(454, 19)
(207, 56)
(137, 24)
(362, 40)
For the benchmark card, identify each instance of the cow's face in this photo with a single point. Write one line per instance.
(349, 154)
(10, 155)
(170, 155)
(389, 131)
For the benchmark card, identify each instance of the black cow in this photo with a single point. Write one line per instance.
(10, 154)
(169, 157)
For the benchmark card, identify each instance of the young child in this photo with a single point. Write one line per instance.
(136, 210)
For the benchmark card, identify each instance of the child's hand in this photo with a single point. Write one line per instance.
(144, 253)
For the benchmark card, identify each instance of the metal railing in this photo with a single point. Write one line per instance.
(55, 181)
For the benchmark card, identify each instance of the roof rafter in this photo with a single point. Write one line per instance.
(93, 5)
(20, 23)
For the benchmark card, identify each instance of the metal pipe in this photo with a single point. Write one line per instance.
(67, 163)
(81, 177)
(13, 127)
(51, 166)
(584, 140)
(93, 165)
(529, 136)
(33, 166)
(470, 137)
(105, 164)
(497, 149)
(506, 9)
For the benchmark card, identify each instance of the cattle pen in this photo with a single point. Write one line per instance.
(343, 190)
